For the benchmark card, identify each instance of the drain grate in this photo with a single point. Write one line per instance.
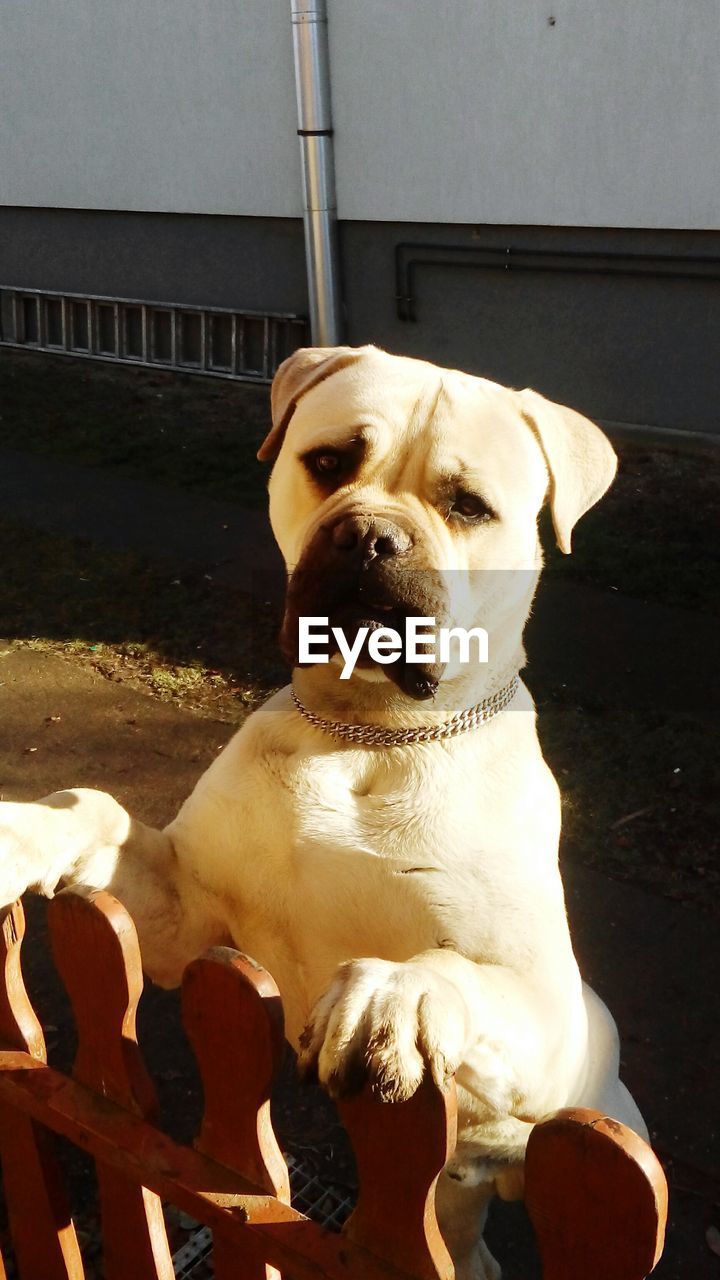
(323, 1202)
(194, 1260)
(328, 1205)
(245, 345)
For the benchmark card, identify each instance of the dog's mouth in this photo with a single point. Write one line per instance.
(418, 680)
(368, 611)
(364, 612)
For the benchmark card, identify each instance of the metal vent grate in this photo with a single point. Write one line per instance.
(247, 345)
(328, 1205)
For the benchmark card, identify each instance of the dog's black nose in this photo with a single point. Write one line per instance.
(369, 536)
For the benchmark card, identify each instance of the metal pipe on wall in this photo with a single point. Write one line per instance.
(312, 85)
(410, 255)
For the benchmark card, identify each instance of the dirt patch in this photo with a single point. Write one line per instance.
(641, 795)
(656, 533)
(164, 631)
(64, 725)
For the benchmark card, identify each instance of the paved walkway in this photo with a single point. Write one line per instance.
(656, 963)
(126, 514)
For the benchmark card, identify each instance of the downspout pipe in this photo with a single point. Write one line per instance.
(315, 131)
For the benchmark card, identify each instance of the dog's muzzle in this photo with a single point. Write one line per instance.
(367, 569)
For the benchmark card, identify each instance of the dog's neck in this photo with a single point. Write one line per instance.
(378, 701)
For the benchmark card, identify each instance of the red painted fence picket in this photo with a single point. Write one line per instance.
(39, 1214)
(595, 1192)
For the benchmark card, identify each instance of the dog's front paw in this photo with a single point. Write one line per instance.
(70, 834)
(384, 1023)
(23, 865)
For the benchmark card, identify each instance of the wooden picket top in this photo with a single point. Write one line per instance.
(595, 1192)
(594, 1162)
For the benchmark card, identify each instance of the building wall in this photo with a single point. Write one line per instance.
(169, 105)
(253, 264)
(149, 150)
(620, 347)
(566, 112)
(554, 112)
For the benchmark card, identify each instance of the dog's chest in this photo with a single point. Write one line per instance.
(379, 804)
(392, 859)
(322, 856)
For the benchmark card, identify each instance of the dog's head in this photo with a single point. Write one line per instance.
(403, 489)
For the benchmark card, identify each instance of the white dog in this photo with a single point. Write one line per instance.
(405, 895)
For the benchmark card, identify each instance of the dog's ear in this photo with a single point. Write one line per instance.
(579, 458)
(302, 370)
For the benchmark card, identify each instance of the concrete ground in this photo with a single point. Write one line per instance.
(654, 961)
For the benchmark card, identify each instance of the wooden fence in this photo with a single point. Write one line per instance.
(595, 1192)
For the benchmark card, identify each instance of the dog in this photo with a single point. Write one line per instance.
(386, 844)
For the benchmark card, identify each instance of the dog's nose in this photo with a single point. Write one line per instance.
(369, 536)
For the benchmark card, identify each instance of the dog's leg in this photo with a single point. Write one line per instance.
(515, 1044)
(84, 837)
(600, 1086)
(462, 1211)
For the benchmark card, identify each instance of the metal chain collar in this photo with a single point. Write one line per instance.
(376, 735)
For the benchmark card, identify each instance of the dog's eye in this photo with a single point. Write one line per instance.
(330, 467)
(333, 465)
(326, 463)
(470, 508)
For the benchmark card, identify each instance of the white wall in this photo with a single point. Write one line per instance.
(181, 105)
(482, 111)
(445, 110)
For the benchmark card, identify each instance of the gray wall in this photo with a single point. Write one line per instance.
(618, 347)
(457, 121)
(257, 264)
(622, 348)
